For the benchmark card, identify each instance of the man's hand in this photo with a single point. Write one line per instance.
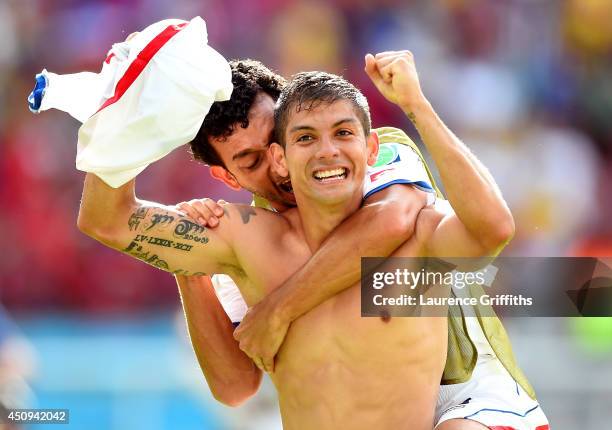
(394, 74)
(262, 332)
(204, 211)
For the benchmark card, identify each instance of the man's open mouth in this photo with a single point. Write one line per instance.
(330, 175)
(286, 186)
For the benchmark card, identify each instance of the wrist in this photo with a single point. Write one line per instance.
(417, 108)
(282, 305)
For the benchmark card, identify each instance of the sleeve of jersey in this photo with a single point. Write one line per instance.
(230, 298)
(398, 164)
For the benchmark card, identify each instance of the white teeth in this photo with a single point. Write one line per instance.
(329, 173)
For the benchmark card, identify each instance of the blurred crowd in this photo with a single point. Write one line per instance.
(526, 84)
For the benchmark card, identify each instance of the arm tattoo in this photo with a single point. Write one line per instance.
(188, 230)
(151, 220)
(160, 219)
(137, 251)
(162, 242)
(245, 213)
(412, 117)
(137, 217)
(187, 273)
(141, 221)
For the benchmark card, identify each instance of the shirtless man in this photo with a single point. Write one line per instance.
(231, 376)
(234, 142)
(326, 376)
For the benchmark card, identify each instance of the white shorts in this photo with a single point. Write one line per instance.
(492, 398)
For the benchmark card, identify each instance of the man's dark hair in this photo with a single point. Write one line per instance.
(307, 90)
(249, 78)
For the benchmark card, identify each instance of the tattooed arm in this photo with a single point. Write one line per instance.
(156, 234)
(164, 238)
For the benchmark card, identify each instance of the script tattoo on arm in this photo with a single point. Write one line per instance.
(188, 230)
(160, 219)
(137, 217)
(150, 220)
(137, 251)
(166, 239)
(163, 242)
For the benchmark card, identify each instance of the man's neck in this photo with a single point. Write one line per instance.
(280, 207)
(318, 221)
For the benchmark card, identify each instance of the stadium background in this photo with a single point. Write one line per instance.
(527, 84)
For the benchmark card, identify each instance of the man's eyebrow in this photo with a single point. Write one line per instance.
(310, 128)
(300, 128)
(342, 121)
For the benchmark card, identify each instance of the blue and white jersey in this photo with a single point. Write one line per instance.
(397, 164)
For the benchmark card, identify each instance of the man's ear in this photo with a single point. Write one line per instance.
(278, 160)
(224, 175)
(372, 145)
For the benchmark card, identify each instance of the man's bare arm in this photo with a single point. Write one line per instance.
(156, 234)
(385, 222)
(481, 223)
(230, 373)
(166, 239)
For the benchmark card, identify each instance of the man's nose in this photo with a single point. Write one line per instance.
(327, 149)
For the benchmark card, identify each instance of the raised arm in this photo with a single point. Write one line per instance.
(480, 223)
(156, 234)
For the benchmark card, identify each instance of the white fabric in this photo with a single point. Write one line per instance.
(492, 398)
(161, 110)
(230, 298)
(79, 94)
(398, 164)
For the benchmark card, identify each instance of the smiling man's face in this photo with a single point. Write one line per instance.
(327, 152)
(245, 155)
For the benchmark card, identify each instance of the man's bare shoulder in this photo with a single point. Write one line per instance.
(266, 245)
(258, 224)
(247, 214)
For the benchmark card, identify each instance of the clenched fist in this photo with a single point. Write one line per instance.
(394, 74)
